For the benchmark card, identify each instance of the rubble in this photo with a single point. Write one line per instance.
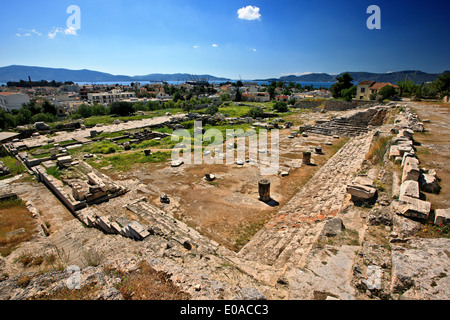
(4, 170)
(361, 189)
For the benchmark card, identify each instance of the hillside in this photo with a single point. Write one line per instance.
(17, 73)
(393, 77)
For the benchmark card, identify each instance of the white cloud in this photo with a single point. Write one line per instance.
(52, 35)
(215, 45)
(196, 47)
(254, 50)
(28, 33)
(249, 13)
(69, 31)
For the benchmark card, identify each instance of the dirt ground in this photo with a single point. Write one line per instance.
(227, 209)
(434, 149)
(53, 212)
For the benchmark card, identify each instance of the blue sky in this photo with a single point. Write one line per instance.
(268, 39)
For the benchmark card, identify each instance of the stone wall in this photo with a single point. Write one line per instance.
(338, 105)
(51, 184)
(308, 104)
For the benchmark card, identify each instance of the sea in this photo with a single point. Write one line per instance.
(316, 85)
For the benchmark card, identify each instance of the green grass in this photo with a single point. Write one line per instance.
(99, 147)
(165, 143)
(41, 155)
(54, 171)
(235, 111)
(14, 166)
(125, 161)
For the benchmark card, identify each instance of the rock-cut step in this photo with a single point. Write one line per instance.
(70, 251)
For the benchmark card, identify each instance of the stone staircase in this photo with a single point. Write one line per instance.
(289, 236)
(162, 224)
(70, 251)
(353, 124)
(339, 127)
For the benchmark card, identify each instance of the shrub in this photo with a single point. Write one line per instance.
(212, 109)
(256, 112)
(281, 106)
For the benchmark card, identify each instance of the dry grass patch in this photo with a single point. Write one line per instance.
(145, 283)
(378, 150)
(16, 225)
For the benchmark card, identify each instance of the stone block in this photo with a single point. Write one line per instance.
(104, 224)
(96, 181)
(138, 230)
(394, 152)
(405, 149)
(64, 160)
(410, 188)
(411, 171)
(115, 227)
(361, 192)
(408, 133)
(409, 158)
(412, 207)
(428, 183)
(442, 216)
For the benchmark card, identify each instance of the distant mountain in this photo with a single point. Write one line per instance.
(393, 77)
(17, 73)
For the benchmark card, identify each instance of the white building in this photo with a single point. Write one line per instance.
(12, 100)
(109, 97)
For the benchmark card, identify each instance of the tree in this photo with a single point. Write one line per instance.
(281, 106)
(428, 91)
(387, 92)
(225, 97)
(271, 91)
(84, 111)
(238, 97)
(177, 96)
(43, 117)
(407, 88)
(139, 106)
(256, 112)
(442, 84)
(23, 116)
(47, 107)
(212, 109)
(349, 94)
(98, 110)
(344, 82)
(121, 108)
(153, 105)
(286, 92)
(7, 120)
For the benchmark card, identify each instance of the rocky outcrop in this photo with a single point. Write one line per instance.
(420, 270)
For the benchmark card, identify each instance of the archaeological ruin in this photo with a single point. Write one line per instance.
(340, 219)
